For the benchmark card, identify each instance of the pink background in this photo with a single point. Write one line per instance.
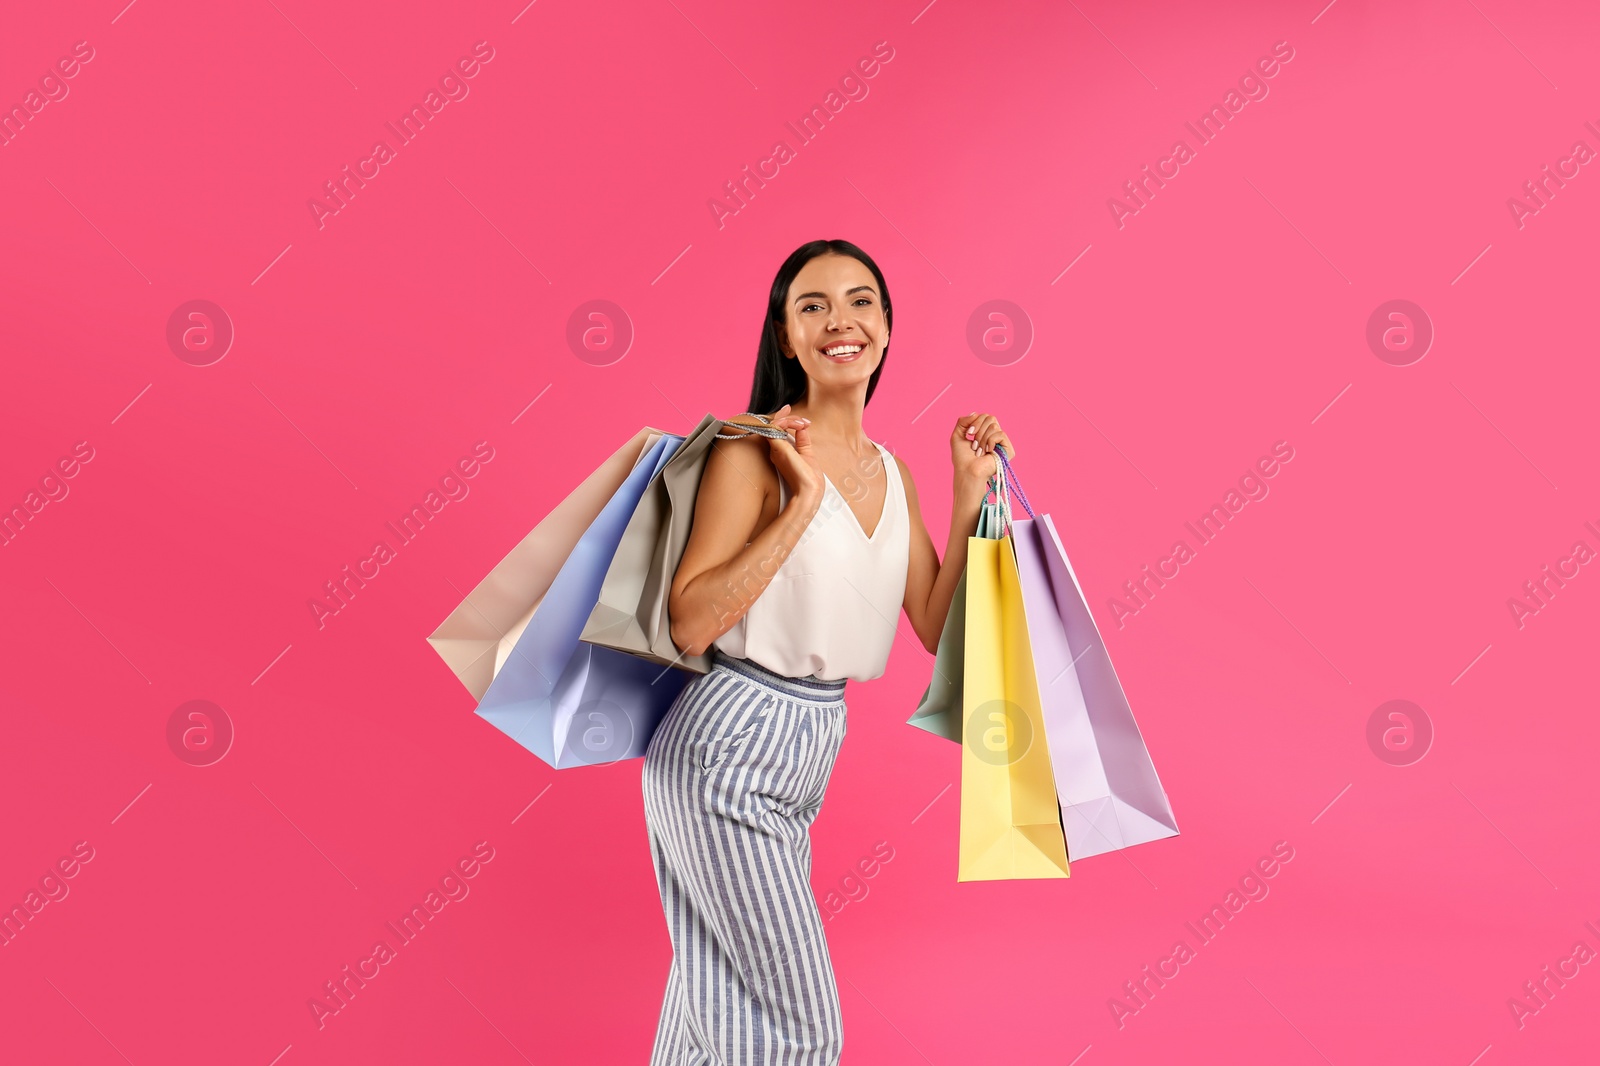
(427, 315)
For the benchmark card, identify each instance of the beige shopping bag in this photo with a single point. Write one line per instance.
(478, 637)
(631, 615)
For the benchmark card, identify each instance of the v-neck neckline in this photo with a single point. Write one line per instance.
(888, 488)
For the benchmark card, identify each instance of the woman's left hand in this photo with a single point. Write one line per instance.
(972, 445)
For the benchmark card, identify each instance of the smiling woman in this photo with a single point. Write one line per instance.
(736, 771)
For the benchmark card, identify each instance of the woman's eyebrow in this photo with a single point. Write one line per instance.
(824, 296)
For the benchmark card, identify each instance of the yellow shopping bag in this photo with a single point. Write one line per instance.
(1010, 817)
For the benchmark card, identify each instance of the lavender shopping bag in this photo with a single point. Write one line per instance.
(1106, 783)
(571, 703)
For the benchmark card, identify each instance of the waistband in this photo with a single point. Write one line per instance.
(806, 688)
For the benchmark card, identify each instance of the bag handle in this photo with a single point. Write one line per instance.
(1001, 486)
(1012, 481)
(766, 429)
(998, 512)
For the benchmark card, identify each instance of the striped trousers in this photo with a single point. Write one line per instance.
(733, 778)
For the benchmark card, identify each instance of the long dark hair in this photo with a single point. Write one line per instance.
(779, 380)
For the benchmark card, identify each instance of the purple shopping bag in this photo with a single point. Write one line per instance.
(1106, 782)
(1110, 795)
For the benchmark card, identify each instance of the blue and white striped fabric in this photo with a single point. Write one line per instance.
(733, 779)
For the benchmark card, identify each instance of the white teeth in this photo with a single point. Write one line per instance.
(848, 349)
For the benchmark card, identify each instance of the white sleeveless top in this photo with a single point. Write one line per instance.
(831, 609)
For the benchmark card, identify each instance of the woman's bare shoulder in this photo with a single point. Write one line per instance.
(742, 466)
(738, 495)
(905, 477)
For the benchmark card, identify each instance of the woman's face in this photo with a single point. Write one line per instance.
(834, 306)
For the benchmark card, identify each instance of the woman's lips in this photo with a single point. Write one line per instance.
(848, 356)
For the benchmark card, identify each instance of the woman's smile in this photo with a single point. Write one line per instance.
(836, 313)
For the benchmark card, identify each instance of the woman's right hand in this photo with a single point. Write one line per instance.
(795, 461)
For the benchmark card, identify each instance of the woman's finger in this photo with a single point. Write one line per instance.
(791, 424)
(978, 432)
(800, 427)
(802, 435)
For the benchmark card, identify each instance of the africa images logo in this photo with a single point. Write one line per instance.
(852, 87)
(452, 84)
(1252, 88)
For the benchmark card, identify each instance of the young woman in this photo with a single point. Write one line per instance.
(801, 556)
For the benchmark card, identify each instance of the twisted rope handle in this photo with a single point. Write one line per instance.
(766, 429)
(1001, 486)
(999, 489)
(1011, 479)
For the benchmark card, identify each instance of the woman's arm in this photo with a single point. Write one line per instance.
(724, 568)
(930, 585)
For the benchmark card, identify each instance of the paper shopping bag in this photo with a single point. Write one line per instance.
(939, 711)
(630, 614)
(1010, 820)
(479, 634)
(573, 704)
(1110, 795)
